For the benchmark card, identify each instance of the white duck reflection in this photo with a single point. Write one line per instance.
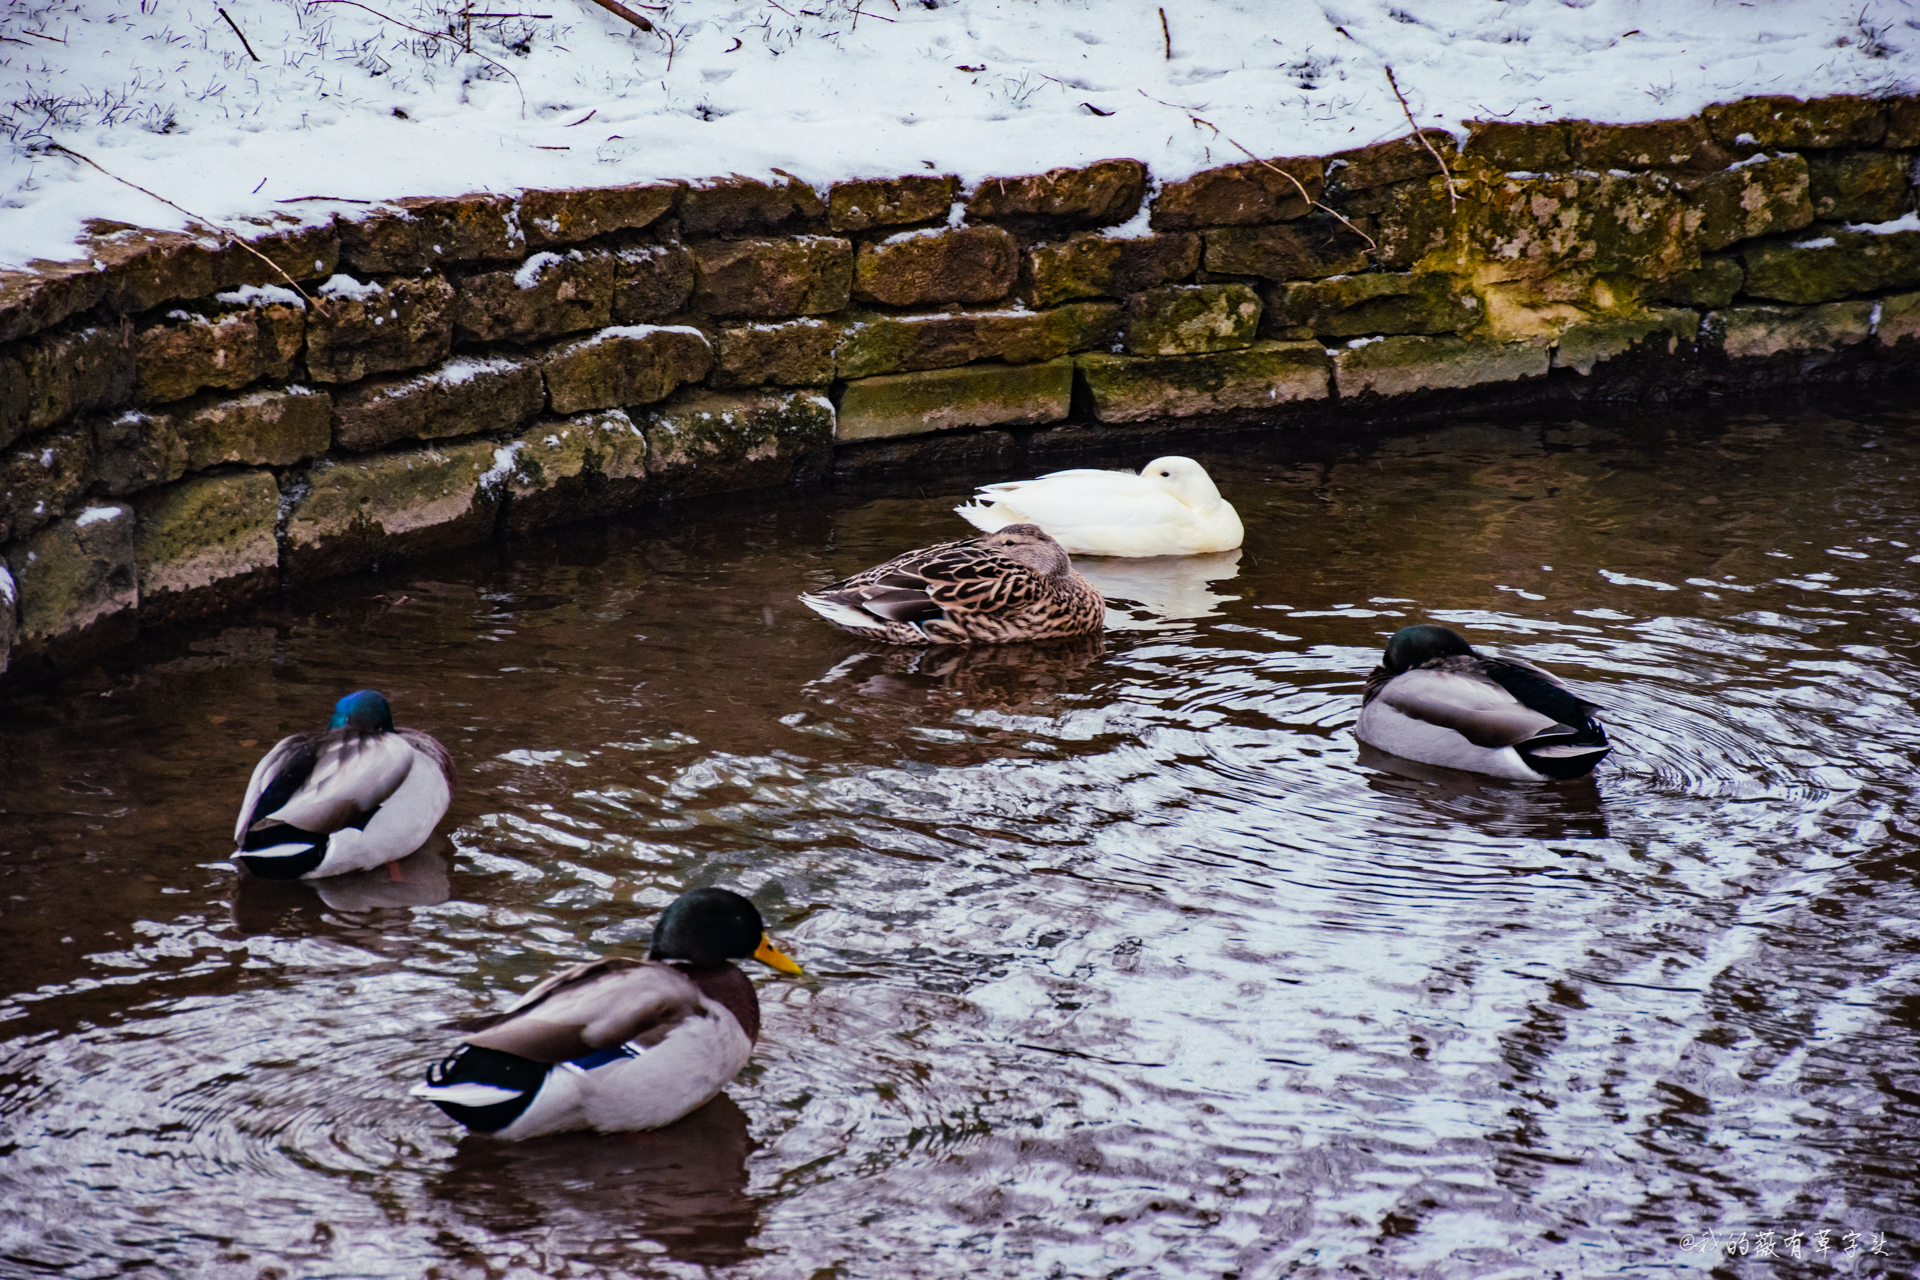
(1156, 593)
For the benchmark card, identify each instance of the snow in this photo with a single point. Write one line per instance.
(1905, 222)
(8, 592)
(342, 285)
(98, 515)
(349, 105)
(255, 295)
(530, 271)
(502, 465)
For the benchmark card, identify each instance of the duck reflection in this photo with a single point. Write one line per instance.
(683, 1187)
(1008, 677)
(421, 879)
(1156, 593)
(1536, 810)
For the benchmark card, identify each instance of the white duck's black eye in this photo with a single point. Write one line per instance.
(1166, 474)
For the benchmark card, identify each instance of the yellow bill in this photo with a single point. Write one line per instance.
(769, 955)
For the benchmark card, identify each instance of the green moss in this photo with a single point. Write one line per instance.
(1833, 265)
(911, 404)
(1137, 388)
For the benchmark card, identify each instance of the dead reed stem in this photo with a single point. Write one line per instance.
(1453, 197)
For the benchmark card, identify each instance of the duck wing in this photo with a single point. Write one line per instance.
(1466, 700)
(1540, 690)
(280, 773)
(347, 775)
(590, 1007)
(934, 583)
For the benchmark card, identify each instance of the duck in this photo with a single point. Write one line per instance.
(361, 795)
(1170, 508)
(1435, 700)
(618, 1044)
(1015, 584)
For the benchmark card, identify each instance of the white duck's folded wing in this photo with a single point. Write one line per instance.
(1476, 708)
(352, 775)
(592, 1007)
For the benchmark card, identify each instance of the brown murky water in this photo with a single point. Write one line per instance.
(1122, 961)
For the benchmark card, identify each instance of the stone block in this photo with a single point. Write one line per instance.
(921, 268)
(186, 352)
(584, 467)
(41, 297)
(1413, 219)
(866, 203)
(346, 517)
(1903, 121)
(912, 404)
(1834, 265)
(1860, 186)
(1654, 144)
(631, 365)
(1089, 265)
(546, 296)
(1750, 124)
(140, 268)
(1310, 249)
(1515, 147)
(570, 215)
(1377, 302)
(139, 449)
(787, 353)
(1755, 333)
(1899, 324)
(1714, 283)
(875, 344)
(76, 576)
(50, 379)
(1103, 193)
(736, 205)
(410, 236)
(1760, 197)
(770, 279)
(1186, 319)
(717, 441)
(1140, 388)
(206, 544)
(299, 250)
(41, 476)
(1394, 160)
(651, 282)
(463, 397)
(1401, 366)
(1583, 346)
(1240, 195)
(355, 329)
(1634, 224)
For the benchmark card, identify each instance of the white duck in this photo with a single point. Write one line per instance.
(1170, 509)
(360, 795)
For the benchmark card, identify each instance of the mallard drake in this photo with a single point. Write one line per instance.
(1171, 508)
(618, 1044)
(1012, 585)
(357, 796)
(1434, 700)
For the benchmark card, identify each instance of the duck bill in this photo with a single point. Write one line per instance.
(769, 955)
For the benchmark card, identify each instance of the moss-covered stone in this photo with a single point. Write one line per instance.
(637, 364)
(963, 264)
(1583, 346)
(51, 379)
(1834, 265)
(141, 268)
(41, 476)
(185, 353)
(76, 576)
(787, 353)
(354, 329)
(875, 344)
(139, 449)
(1511, 146)
(294, 250)
(1633, 223)
(772, 279)
(463, 397)
(1394, 160)
(1310, 249)
(1714, 283)
(39, 298)
(1101, 194)
(912, 404)
(713, 441)
(866, 203)
(736, 205)
(1089, 265)
(1899, 323)
(584, 467)
(206, 544)
(1240, 195)
(1377, 302)
(569, 216)
(1140, 388)
(1758, 198)
(1401, 366)
(1756, 333)
(1653, 144)
(1844, 120)
(550, 294)
(410, 236)
(348, 517)
(651, 282)
(1860, 186)
(1903, 121)
(1186, 319)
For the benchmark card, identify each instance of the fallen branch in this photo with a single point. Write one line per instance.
(1166, 35)
(206, 222)
(329, 199)
(237, 31)
(1267, 164)
(1453, 197)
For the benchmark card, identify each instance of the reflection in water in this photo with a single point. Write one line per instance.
(1536, 810)
(1162, 589)
(420, 879)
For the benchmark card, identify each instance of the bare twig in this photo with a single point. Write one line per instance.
(328, 199)
(207, 222)
(237, 31)
(1267, 164)
(583, 119)
(621, 11)
(1166, 35)
(1453, 197)
(38, 36)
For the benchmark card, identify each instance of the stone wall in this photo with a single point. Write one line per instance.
(187, 422)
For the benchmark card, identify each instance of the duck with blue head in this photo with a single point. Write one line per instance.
(361, 794)
(618, 1044)
(1435, 699)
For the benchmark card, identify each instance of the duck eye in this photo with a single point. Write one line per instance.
(1167, 474)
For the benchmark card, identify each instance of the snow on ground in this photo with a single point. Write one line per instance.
(345, 100)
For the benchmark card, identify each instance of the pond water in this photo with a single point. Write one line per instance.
(1122, 959)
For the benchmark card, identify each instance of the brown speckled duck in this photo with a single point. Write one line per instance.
(1010, 585)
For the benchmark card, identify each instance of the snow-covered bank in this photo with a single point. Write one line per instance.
(347, 102)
